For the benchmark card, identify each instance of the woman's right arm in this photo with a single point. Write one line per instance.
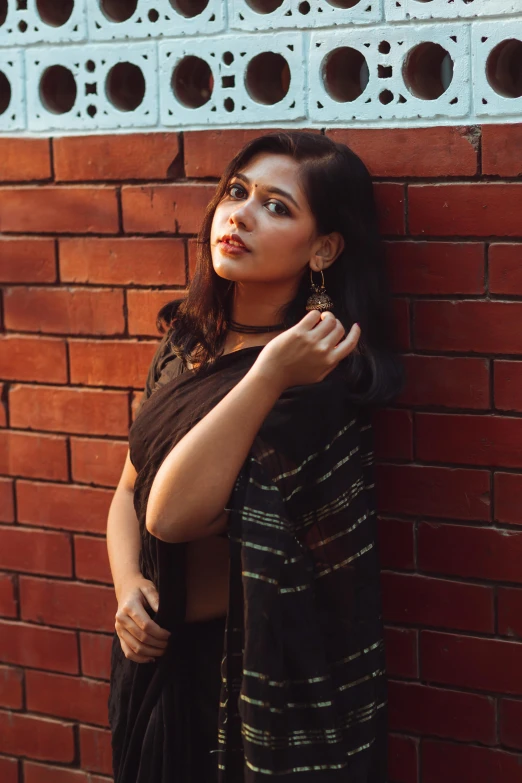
(140, 637)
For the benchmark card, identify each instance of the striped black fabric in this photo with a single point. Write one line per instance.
(304, 689)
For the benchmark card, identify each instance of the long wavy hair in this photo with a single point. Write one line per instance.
(339, 190)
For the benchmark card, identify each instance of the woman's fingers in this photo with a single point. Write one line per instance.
(347, 344)
(131, 655)
(144, 651)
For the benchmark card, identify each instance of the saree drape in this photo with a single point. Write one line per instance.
(304, 688)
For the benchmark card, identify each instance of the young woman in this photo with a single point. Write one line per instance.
(242, 534)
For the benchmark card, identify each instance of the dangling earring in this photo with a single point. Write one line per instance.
(318, 299)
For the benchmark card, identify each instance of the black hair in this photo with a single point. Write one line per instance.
(339, 191)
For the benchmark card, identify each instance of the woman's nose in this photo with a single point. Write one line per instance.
(241, 216)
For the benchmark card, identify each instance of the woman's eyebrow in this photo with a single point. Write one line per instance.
(272, 190)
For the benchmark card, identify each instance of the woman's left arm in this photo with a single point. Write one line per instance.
(194, 482)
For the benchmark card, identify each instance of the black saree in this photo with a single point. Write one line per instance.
(303, 681)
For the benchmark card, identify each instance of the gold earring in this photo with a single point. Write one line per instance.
(318, 299)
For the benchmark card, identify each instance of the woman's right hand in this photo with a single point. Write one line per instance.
(308, 351)
(142, 640)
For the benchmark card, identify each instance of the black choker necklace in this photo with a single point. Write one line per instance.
(234, 326)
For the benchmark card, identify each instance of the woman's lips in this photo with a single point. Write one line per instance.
(232, 249)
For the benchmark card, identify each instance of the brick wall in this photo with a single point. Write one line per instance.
(95, 236)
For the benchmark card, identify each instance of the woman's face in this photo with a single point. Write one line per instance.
(265, 207)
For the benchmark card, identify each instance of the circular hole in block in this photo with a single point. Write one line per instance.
(428, 71)
(344, 3)
(267, 78)
(384, 47)
(386, 96)
(345, 74)
(91, 110)
(229, 105)
(3, 11)
(118, 10)
(125, 86)
(504, 68)
(22, 25)
(264, 6)
(5, 92)
(228, 58)
(90, 65)
(304, 8)
(55, 13)
(58, 89)
(153, 15)
(192, 82)
(189, 8)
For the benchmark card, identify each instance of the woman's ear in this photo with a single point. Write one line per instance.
(328, 248)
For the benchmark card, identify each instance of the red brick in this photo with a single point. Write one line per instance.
(208, 152)
(9, 770)
(123, 261)
(8, 603)
(422, 600)
(508, 385)
(501, 146)
(390, 202)
(143, 307)
(396, 544)
(40, 773)
(401, 323)
(455, 763)
(33, 359)
(98, 461)
(75, 698)
(401, 652)
(393, 434)
(25, 260)
(474, 209)
(110, 362)
(95, 750)
(461, 382)
(510, 720)
(82, 411)
(82, 210)
(419, 709)
(468, 662)
(6, 500)
(33, 455)
(3, 411)
(96, 654)
(115, 156)
(435, 267)
(509, 611)
(35, 551)
(508, 498)
(403, 759)
(24, 159)
(64, 310)
(91, 559)
(11, 683)
(473, 440)
(67, 604)
(192, 257)
(38, 738)
(41, 648)
(177, 208)
(439, 492)
(475, 327)
(505, 269)
(412, 152)
(478, 552)
(63, 506)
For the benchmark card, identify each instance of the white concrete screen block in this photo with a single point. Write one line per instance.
(232, 80)
(277, 14)
(497, 68)
(390, 73)
(96, 86)
(12, 94)
(111, 20)
(39, 21)
(402, 10)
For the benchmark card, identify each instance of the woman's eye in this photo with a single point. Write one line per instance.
(234, 187)
(282, 209)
